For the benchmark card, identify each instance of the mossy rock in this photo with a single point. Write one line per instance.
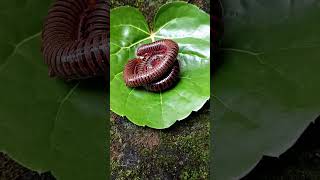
(179, 152)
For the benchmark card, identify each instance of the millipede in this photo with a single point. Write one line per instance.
(156, 67)
(75, 39)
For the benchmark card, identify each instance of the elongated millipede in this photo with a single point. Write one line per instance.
(156, 68)
(75, 38)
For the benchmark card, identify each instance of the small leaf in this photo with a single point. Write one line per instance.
(190, 28)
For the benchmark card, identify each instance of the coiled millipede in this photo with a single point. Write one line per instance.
(75, 38)
(156, 68)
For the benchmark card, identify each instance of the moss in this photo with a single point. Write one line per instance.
(195, 146)
(182, 151)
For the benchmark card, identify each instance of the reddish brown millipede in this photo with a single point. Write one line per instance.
(167, 81)
(156, 68)
(75, 38)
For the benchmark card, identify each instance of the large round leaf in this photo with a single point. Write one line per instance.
(266, 85)
(46, 124)
(190, 28)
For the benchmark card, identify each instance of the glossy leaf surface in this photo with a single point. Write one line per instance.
(266, 84)
(190, 28)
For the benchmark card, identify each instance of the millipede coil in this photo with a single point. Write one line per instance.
(75, 38)
(156, 68)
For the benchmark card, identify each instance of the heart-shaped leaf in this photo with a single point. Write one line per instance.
(266, 86)
(46, 124)
(190, 28)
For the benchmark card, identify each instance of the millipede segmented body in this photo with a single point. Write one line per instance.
(156, 68)
(167, 81)
(75, 38)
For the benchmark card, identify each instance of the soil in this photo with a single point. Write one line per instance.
(11, 170)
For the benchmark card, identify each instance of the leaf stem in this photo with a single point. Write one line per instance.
(152, 36)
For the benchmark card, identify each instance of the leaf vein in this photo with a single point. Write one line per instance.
(15, 50)
(128, 47)
(132, 26)
(62, 102)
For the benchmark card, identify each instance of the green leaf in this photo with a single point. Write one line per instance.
(266, 86)
(190, 28)
(46, 124)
